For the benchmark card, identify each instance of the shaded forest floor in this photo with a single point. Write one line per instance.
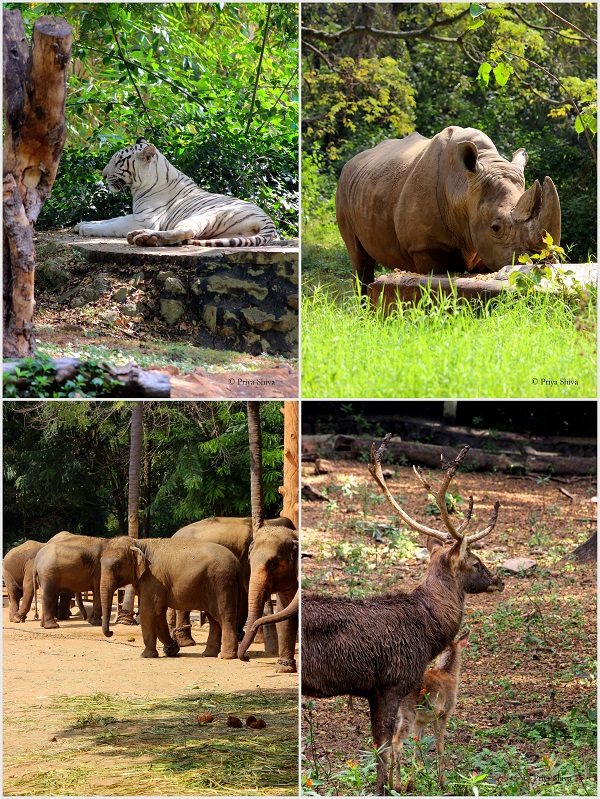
(101, 330)
(86, 716)
(525, 723)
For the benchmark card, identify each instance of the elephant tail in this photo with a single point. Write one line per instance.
(35, 588)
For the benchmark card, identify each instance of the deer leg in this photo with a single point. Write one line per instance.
(403, 729)
(439, 730)
(383, 705)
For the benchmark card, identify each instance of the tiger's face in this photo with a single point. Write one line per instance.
(127, 167)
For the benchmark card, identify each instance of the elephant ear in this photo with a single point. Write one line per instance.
(140, 561)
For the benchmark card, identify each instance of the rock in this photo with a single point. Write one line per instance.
(110, 317)
(122, 294)
(292, 301)
(171, 311)
(174, 286)
(258, 320)
(164, 275)
(518, 565)
(222, 284)
(130, 309)
(52, 273)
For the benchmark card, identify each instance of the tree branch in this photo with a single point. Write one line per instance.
(262, 52)
(565, 90)
(355, 30)
(568, 24)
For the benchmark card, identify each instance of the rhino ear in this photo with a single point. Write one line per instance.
(467, 155)
(528, 204)
(520, 158)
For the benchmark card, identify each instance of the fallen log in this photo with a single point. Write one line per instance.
(480, 460)
(76, 378)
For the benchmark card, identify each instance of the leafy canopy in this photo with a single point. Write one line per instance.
(213, 85)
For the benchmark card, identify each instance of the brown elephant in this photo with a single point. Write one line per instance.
(17, 570)
(69, 563)
(281, 615)
(235, 533)
(273, 559)
(175, 573)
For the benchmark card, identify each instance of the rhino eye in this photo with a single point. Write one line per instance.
(496, 227)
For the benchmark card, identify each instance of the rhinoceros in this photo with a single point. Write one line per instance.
(450, 203)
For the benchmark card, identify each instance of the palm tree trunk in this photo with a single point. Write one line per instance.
(125, 615)
(256, 487)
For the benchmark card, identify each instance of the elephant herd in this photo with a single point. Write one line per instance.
(215, 565)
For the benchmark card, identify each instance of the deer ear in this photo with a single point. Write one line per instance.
(433, 544)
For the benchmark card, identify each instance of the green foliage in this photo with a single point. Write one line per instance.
(36, 377)
(541, 346)
(224, 113)
(66, 465)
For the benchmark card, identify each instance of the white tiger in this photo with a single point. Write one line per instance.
(169, 208)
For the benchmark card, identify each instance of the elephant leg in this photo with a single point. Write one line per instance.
(50, 607)
(242, 613)
(64, 606)
(149, 633)
(96, 616)
(182, 629)
(270, 632)
(286, 633)
(213, 643)
(229, 633)
(170, 647)
(82, 609)
(14, 598)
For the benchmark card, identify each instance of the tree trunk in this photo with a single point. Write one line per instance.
(586, 552)
(147, 486)
(35, 89)
(289, 489)
(256, 487)
(135, 467)
(125, 615)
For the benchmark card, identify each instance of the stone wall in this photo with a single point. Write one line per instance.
(243, 299)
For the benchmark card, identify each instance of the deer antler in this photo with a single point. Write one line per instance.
(450, 468)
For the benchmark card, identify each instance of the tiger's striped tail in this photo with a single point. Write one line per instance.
(238, 241)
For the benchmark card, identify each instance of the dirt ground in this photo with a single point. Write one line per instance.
(206, 373)
(40, 666)
(506, 675)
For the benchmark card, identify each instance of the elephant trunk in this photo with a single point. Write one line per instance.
(107, 591)
(258, 593)
(282, 615)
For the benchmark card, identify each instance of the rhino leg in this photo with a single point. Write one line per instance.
(363, 266)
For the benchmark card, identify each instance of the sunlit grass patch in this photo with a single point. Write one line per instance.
(111, 745)
(512, 346)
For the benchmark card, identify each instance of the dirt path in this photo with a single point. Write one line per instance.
(40, 667)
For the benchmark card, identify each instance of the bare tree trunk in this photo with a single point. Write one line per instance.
(147, 486)
(586, 552)
(289, 489)
(125, 615)
(35, 90)
(135, 467)
(256, 487)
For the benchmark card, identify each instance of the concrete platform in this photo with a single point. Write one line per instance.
(408, 287)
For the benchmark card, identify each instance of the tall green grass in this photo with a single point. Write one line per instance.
(512, 346)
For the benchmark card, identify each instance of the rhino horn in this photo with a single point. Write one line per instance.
(541, 209)
(529, 203)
